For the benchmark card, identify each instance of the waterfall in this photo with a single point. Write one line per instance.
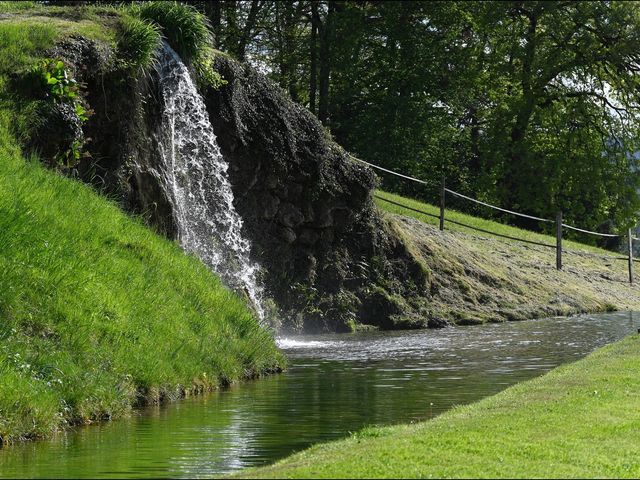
(193, 175)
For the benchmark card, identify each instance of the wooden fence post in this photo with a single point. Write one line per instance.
(630, 256)
(443, 193)
(559, 240)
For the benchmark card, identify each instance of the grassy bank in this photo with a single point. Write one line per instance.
(97, 313)
(580, 420)
(477, 222)
(476, 277)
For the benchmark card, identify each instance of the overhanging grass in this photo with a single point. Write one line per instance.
(97, 313)
(580, 420)
(186, 29)
(477, 222)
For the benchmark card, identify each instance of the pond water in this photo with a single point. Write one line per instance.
(335, 384)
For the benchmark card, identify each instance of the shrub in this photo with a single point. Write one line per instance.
(186, 29)
(53, 122)
(138, 42)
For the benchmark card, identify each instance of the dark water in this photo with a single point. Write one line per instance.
(335, 385)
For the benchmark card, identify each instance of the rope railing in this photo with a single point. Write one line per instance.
(390, 171)
(609, 235)
(523, 215)
(558, 222)
(479, 202)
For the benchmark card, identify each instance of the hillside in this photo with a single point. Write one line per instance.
(477, 278)
(98, 314)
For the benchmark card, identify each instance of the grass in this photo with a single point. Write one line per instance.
(138, 42)
(580, 420)
(98, 313)
(476, 222)
(477, 277)
(186, 29)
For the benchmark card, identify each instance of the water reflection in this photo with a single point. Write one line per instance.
(335, 385)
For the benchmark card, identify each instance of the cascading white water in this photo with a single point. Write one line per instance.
(193, 174)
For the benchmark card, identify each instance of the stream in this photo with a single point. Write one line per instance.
(335, 384)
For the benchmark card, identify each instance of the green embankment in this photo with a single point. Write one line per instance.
(476, 222)
(97, 313)
(580, 420)
(476, 277)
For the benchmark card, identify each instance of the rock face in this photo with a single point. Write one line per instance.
(329, 257)
(330, 261)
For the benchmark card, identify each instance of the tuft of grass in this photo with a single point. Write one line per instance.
(188, 33)
(138, 42)
(186, 29)
(579, 421)
(13, 7)
(98, 314)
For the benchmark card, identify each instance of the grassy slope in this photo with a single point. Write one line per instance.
(97, 313)
(476, 277)
(477, 222)
(580, 420)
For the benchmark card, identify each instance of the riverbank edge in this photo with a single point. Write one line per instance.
(578, 420)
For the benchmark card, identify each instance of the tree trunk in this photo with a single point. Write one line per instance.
(514, 173)
(313, 51)
(248, 28)
(214, 12)
(326, 39)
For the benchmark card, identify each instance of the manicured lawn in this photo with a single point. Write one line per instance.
(580, 420)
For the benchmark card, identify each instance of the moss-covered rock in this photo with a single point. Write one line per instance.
(308, 211)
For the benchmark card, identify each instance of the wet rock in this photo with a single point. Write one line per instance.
(309, 236)
(436, 323)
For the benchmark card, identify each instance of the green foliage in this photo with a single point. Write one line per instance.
(99, 313)
(184, 27)
(138, 41)
(60, 87)
(55, 80)
(187, 31)
(206, 76)
(512, 102)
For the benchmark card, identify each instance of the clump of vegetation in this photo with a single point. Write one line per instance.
(188, 33)
(61, 90)
(138, 41)
(186, 30)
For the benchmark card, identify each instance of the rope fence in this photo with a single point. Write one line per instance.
(560, 226)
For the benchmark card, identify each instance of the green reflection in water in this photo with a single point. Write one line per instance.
(336, 384)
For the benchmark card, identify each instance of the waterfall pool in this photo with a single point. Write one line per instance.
(335, 384)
